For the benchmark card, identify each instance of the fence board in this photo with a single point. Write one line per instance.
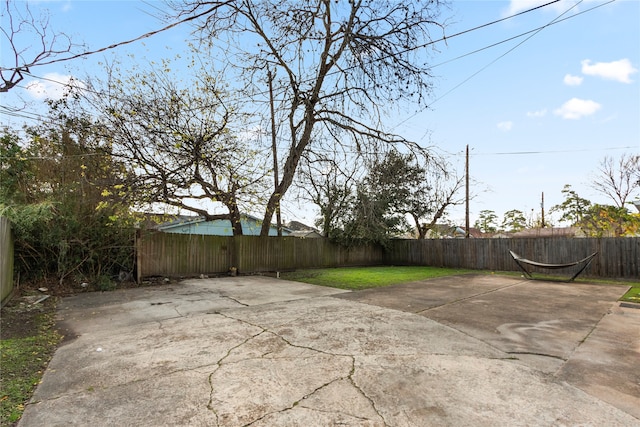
(6, 260)
(617, 257)
(165, 254)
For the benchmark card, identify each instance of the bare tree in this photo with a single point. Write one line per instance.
(336, 65)
(30, 41)
(443, 192)
(183, 142)
(618, 180)
(329, 183)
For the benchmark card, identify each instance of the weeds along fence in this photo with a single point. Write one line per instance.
(175, 255)
(6, 260)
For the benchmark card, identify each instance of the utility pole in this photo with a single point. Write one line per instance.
(466, 215)
(274, 148)
(542, 207)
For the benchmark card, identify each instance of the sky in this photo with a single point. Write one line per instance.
(558, 91)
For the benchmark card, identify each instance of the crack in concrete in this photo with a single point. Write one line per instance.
(582, 341)
(338, 423)
(533, 353)
(361, 391)
(470, 297)
(348, 377)
(294, 404)
(233, 299)
(219, 364)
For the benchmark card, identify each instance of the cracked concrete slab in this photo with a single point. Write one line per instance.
(607, 365)
(173, 399)
(263, 352)
(463, 391)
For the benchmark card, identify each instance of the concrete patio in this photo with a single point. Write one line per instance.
(465, 350)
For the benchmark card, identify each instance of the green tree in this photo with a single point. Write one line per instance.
(417, 186)
(597, 220)
(609, 221)
(378, 210)
(514, 221)
(370, 221)
(16, 170)
(573, 208)
(70, 213)
(395, 188)
(487, 221)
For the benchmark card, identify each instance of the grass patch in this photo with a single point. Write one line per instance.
(633, 295)
(356, 278)
(24, 355)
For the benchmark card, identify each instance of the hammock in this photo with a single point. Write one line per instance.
(523, 261)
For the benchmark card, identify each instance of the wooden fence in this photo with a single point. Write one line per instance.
(174, 255)
(617, 257)
(6, 260)
(167, 254)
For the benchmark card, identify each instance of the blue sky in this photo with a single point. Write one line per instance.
(537, 112)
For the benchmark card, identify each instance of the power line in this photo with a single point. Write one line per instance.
(512, 153)
(112, 46)
(519, 153)
(81, 87)
(534, 31)
(532, 34)
(521, 34)
(25, 67)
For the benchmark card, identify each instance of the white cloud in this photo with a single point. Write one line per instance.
(576, 108)
(570, 80)
(505, 126)
(616, 70)
(539, 113)
(51, 86)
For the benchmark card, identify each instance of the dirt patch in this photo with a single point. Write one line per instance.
(21, 317)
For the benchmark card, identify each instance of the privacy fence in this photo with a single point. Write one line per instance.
(174, 255)
(167, 254)
(6, 259)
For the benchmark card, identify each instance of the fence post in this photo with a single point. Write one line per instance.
(137, 252)
(6, 261)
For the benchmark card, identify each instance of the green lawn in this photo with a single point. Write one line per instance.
(356, 278)
(633, 295)
(24, 359)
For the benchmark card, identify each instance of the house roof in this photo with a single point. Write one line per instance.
(298, 226)
(549, 232)
(182, 220)
(305, 234)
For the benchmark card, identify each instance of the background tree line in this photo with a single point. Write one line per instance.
(616, 179)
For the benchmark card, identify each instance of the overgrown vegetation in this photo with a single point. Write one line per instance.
(66, 198)
(27, 343)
